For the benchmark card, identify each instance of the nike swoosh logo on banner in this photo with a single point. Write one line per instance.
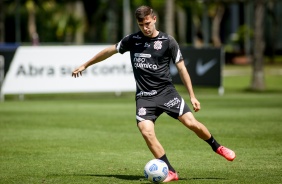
(201, 68)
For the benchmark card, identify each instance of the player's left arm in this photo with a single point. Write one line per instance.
(185, 77)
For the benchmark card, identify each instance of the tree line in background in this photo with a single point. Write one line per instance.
(193, 22)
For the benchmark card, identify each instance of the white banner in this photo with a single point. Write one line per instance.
(47, 69)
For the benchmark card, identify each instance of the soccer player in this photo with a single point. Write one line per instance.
(151, 52)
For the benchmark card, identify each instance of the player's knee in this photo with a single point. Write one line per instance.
(148, 134)
(186, 119)
(147, 129)
(193, 125)
(196, 126)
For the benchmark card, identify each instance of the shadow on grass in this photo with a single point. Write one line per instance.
(124, 177)
(141, 178)
(118, 176)
(133, 177)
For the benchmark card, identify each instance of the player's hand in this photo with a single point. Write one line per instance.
(78, 72)
(196, 104)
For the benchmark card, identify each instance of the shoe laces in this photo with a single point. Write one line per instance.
(225, 151)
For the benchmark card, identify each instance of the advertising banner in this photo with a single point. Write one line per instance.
(47, 69)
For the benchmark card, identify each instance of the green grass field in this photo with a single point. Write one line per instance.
(93, 138)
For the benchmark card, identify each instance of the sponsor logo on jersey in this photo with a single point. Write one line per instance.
(137, 37)
(157, 45)
(173, 102)
(140, 61)
(142, 55)
(142, 111)
(150, 93)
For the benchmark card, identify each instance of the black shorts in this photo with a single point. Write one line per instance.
(168, 101)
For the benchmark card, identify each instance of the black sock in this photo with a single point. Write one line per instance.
(164, 158)
(213, 143)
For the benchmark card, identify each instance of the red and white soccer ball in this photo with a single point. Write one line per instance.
(156, 171)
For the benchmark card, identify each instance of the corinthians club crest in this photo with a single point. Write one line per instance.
(157, 45)
(142, 111)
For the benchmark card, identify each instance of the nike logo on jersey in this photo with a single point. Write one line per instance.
(201, 68)
(138, 43)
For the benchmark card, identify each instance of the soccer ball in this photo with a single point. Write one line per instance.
(156, 171)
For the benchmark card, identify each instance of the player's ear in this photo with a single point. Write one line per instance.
(155, 18)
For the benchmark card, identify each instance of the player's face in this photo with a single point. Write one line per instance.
(147, 25)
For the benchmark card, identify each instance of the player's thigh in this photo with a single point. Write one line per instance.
(146, 125)
(147, 128)
(188, 120)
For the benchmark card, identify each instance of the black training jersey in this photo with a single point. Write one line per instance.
(150, 59)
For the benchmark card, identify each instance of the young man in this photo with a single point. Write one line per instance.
(151, 52)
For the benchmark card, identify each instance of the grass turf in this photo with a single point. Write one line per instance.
(94, 139)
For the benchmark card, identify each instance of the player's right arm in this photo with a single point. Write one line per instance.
(102, 55)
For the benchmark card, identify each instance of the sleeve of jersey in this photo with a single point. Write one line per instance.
(175, 50)
(123, 45)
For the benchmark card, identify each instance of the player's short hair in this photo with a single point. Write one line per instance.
(143, 11)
